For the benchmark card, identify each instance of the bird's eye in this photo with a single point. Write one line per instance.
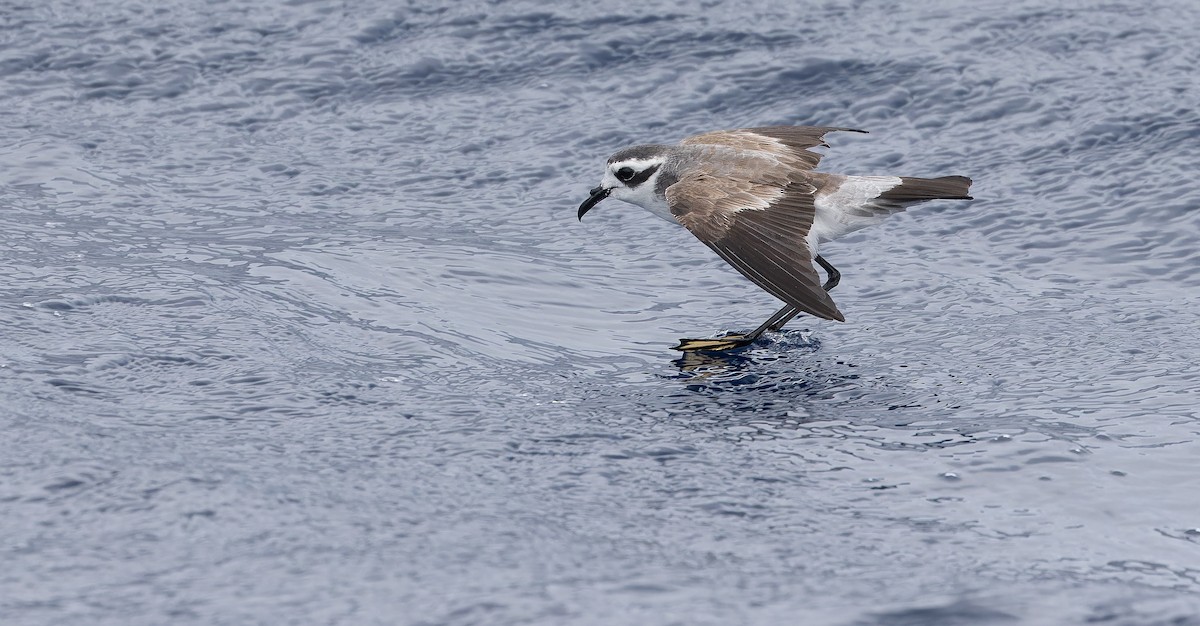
(624, 174)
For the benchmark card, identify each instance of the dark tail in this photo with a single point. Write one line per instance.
(912, 190)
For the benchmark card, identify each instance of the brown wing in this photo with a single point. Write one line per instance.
(759, 229)
(792, 140)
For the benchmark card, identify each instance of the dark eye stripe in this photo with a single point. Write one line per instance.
(641, 176)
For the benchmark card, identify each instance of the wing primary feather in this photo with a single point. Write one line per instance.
(781, 267)
(755, 208)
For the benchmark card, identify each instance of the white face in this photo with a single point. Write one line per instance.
(628, 182)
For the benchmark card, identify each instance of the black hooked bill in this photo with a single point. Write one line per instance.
(597, 194)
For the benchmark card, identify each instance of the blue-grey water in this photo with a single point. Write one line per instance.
(297, 324)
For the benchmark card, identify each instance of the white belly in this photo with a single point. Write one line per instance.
(849, 208)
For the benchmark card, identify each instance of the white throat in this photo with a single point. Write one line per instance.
(644, 196)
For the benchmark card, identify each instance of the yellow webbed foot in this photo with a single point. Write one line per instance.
(719, 344)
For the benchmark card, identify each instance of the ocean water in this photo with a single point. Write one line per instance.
(298, 326)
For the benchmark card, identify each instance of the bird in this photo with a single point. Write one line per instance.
(753, 197)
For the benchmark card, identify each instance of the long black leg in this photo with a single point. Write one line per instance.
(775, 322)
(730, 342)
(834, 277)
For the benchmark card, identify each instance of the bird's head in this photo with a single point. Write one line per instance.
(634, 175)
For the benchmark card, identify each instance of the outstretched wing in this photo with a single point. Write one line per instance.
(788, 141)
(759, 228)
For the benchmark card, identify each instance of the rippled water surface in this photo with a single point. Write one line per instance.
(297, 323)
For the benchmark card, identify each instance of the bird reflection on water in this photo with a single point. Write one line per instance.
(776, 380)
(705, 364)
